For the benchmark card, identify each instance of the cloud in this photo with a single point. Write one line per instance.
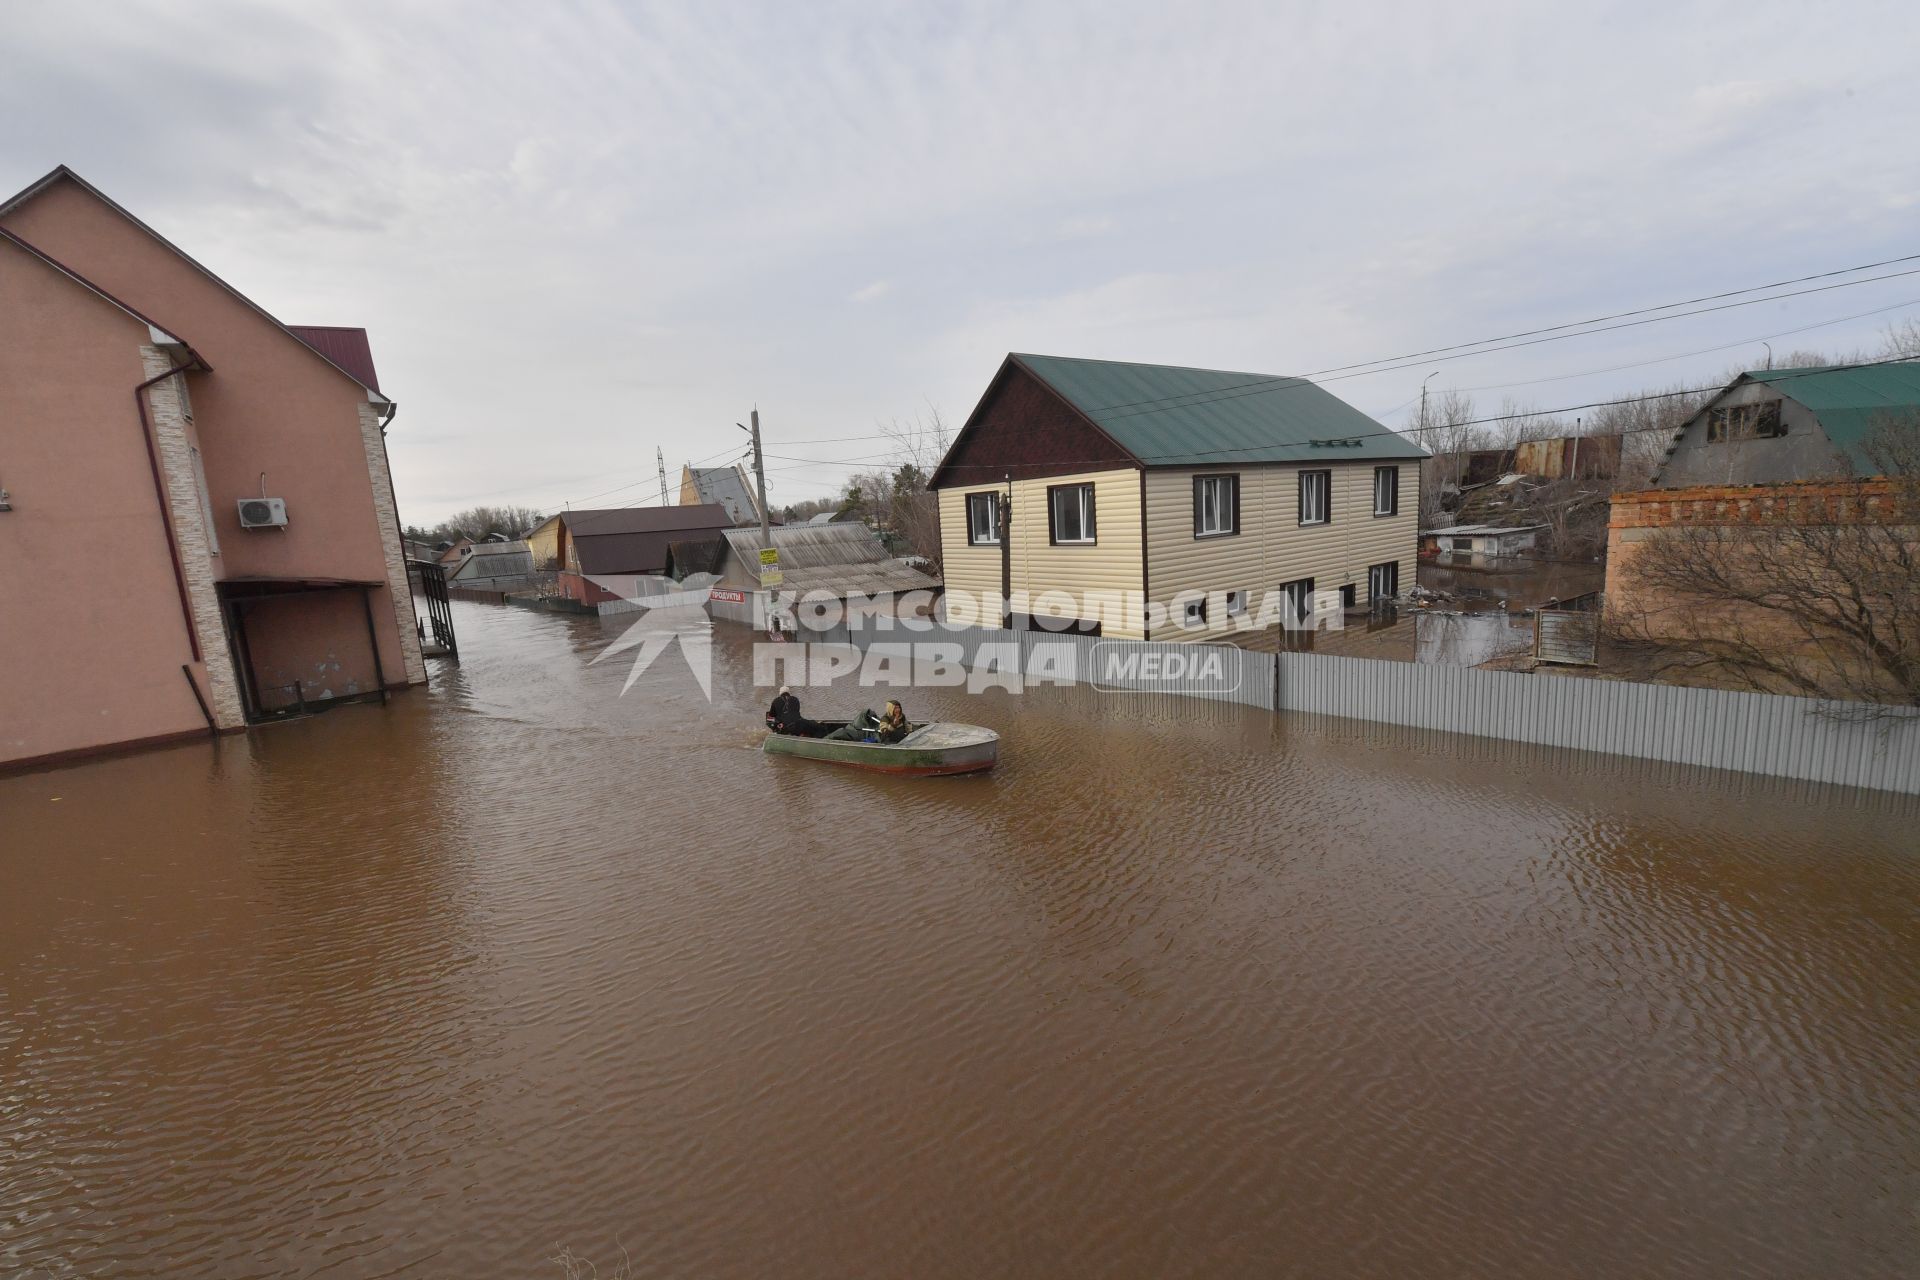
(616, 225)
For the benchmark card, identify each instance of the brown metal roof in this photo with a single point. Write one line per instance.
(347, 348)
(623, 552)
(587, 524)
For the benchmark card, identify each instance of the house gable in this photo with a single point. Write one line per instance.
(22, 214)
(1025, 429)
(1804, 450)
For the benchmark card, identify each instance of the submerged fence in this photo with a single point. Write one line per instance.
(1808, 739)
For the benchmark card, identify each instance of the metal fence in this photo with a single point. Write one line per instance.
(1808, 739)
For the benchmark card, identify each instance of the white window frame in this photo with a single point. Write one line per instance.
(1300, 601)
(1223, 490)
(1323, 480)
(1083, 498)
(1392, 476)
(1374, 595)
(1236, 603)
(1194, 613)
(990, 500)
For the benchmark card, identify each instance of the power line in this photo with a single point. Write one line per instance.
(1423, 357)
(1725, 346)
(1456, 351)
(1281, 382)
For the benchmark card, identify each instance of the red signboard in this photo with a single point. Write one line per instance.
(727, 595)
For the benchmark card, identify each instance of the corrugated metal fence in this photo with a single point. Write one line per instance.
(1784, 737)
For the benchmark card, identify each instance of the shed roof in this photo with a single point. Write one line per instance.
(1170, 416)
(591, 522)
(837, 558)
(637, 539)
(1481, 530)
(1849, 400)
(494, 560)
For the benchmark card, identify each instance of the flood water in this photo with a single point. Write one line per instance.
(518, 963)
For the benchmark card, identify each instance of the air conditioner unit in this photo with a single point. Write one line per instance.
(263, 513)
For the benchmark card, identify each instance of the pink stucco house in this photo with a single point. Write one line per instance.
(199, 530)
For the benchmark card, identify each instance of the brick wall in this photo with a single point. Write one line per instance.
(168, 414)
(398, 587)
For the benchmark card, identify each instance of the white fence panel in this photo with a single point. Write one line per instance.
(1785, 737)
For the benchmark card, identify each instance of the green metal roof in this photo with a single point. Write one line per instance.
(1169, 416)
(1851, 401)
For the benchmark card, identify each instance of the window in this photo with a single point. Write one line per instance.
(1383, 582)
(983, 526)
(1058, 624)
(1071, 509)
(1346, 595)
(1745, 422)
(1316, 497)
(1194, 613)
(1216, 506)
(1297, 601)
(1386, 491)
(1236, 603)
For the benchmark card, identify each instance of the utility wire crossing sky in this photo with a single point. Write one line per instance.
(580, 232)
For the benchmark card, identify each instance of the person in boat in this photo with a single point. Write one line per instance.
(889, 727)
(893, 722)
(784, 716)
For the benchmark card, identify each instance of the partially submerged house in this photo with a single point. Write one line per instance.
(1480, 539)
(725, 487)
(493, 566)
(837, 560)
(215, 478)
(610, 543)
(1776, 426)
(1199, 490)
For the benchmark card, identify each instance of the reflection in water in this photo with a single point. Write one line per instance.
(1469, 639)
(1179, 989)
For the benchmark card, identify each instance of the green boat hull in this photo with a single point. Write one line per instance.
(931, 750)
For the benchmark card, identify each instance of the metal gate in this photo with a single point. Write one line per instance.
(1569, 637)
(431, 580)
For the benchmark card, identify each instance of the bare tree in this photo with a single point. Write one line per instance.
(899, 498)
(479, 522)
(1814, 593)
(1446, 434)
(1901, 341)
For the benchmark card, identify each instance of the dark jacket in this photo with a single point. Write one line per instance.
(784, 715)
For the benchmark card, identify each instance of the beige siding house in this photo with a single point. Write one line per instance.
(1165, 503)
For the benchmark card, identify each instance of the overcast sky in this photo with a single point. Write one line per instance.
(580, 231)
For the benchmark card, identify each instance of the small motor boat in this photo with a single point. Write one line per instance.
(928, 750)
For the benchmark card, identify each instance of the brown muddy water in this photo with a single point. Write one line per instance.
(518, 963)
